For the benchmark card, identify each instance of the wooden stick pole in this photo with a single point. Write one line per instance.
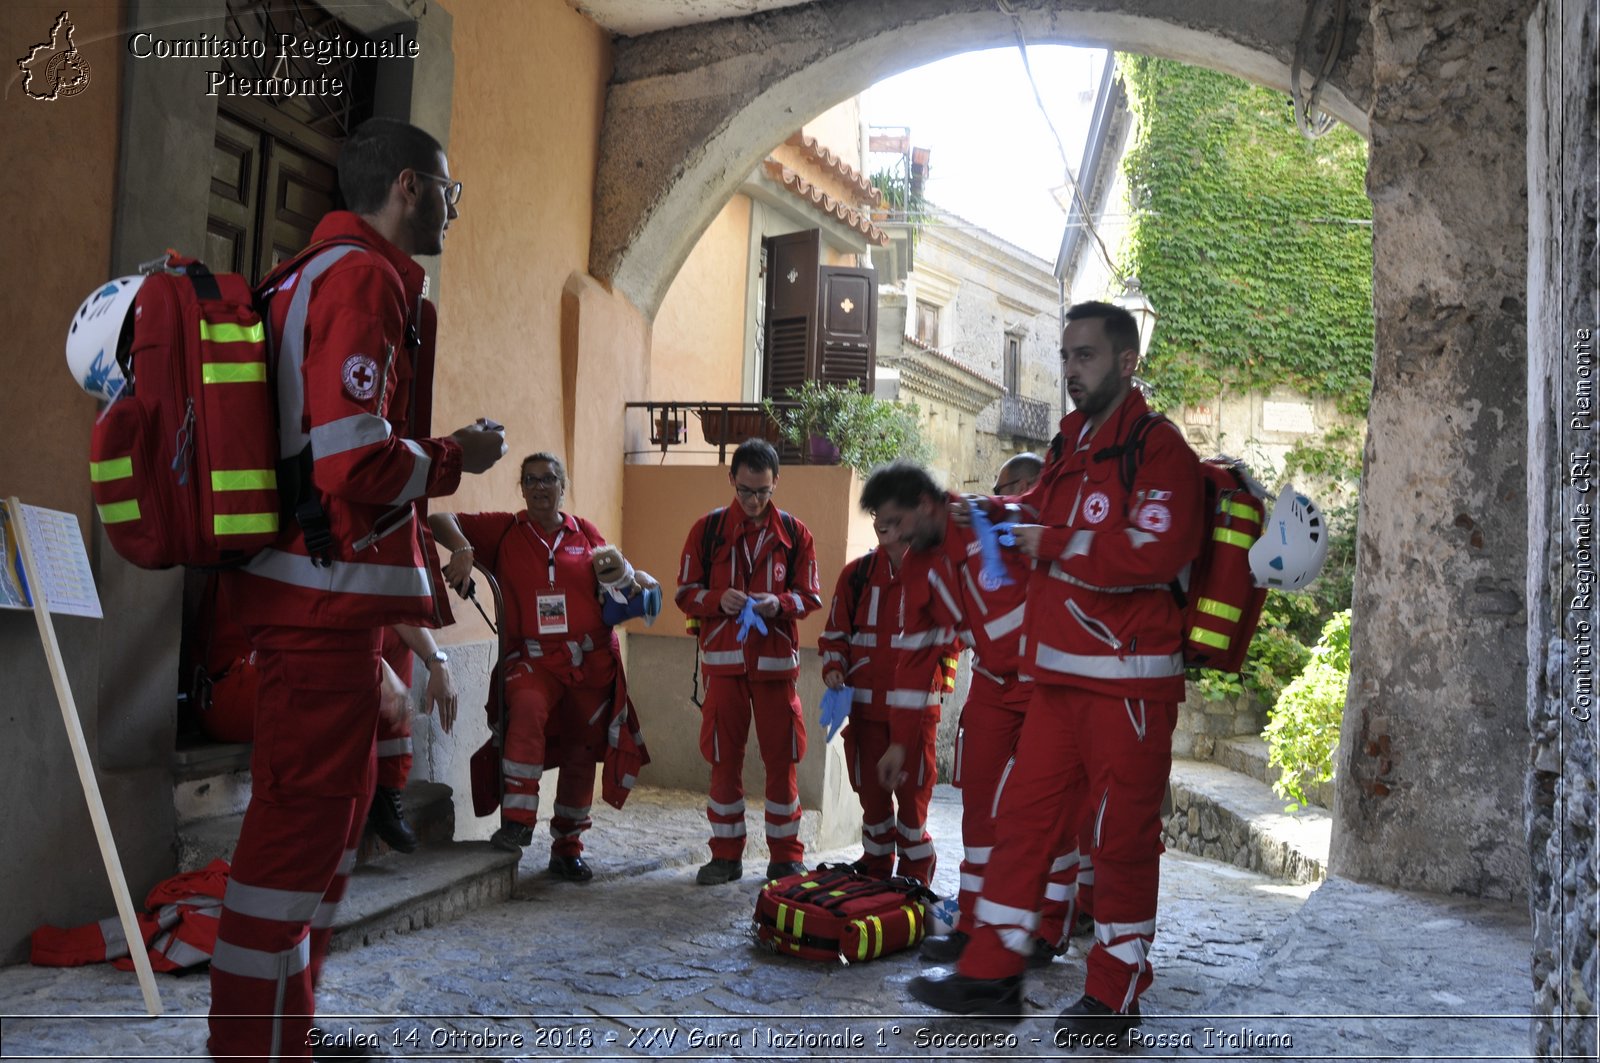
(80, 756)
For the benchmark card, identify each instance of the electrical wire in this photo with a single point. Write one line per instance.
(1312, 122)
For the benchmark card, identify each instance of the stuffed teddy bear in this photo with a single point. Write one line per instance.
(624, 592)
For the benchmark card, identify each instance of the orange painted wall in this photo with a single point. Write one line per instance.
(698, 347)
(55, 246)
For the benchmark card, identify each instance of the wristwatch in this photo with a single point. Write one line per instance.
(437, 656)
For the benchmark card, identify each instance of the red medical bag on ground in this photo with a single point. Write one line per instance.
(834, 913)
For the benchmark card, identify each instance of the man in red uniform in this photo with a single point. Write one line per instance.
(561, 666)
(859, 650)
(353, 362)
(388, 814)
(750, 552)
(1104, 644)
(947, 590)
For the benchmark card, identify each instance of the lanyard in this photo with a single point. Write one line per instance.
(751, 555)
(552, 547)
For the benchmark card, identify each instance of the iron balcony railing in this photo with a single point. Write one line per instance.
(1025, 418)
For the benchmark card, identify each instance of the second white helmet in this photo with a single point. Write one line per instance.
(95, 334)
(1293, 545)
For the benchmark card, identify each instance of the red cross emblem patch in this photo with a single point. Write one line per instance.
(360, 376)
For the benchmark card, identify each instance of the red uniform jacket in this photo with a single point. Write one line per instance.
(754, 558)
(350, 383)
(1101, 613)
(944, 589)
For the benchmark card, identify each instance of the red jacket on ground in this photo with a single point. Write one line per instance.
(755, 558)
(1101, 612)
(350, 382)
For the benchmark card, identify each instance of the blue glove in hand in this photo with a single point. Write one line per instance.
(836, 709)
(652, 604)
(749, 618)
(990, 538)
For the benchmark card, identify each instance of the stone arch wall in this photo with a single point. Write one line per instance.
(690, 111)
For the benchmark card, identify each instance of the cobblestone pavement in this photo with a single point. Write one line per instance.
(642, 963)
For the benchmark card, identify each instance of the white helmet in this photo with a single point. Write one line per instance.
(95, 336)
(1293, 545)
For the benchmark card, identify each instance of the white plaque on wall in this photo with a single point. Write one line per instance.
(1288, 417)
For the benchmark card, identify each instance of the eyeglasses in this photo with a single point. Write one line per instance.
(452, 189)
(1004, 488)
(752, 492)
(530, 480)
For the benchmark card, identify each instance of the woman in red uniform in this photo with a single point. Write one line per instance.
(562, 663)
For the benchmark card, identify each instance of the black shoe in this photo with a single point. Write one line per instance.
(715, 872)
(956, 993)
(572, 868)
(784, 868)
(388, 819)
(325, 1044)
(1083, 925)
(1043, 953)
(1087, 1023)
(512, 837)
(945, 948)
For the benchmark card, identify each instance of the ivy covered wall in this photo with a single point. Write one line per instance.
(1254, 244)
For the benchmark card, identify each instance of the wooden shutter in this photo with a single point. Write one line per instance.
(847, 325)
(791, 310)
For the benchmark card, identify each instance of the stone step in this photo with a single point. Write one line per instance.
(429, 809)
(1249, 755)
(402, 892)
(1223, 815)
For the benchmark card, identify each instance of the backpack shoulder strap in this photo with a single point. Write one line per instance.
(710, 538)
(1131, 450)
(791, 528)
(860, 576)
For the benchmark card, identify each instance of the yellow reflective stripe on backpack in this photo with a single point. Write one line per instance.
(233, 373)
(119, 512)
(1240, 510)
(1209, 638)
(244, 479)
(227, 332)
(110, 469)
(1233, 538)
(244, 523)
(912, 911)
(1212, 607)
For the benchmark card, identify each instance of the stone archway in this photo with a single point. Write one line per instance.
(1432, 761)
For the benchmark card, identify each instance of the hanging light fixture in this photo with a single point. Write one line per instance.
(1135, 302)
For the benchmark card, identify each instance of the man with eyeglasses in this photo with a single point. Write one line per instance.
(750, 553)
(353, 350)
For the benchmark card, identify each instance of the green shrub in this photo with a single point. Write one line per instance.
(1303, 726)
(867, 431)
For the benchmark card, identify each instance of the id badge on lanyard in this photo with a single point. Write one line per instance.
(552, 604)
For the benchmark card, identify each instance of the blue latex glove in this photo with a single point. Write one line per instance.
(749, 618)
(836, 709)
(652, 604)
(991, 537)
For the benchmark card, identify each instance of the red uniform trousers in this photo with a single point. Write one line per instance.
(568, 710)
(1079, 750)
(898, 820)
(312, 773)
(731, 701)
(394, 752)
(986, 742)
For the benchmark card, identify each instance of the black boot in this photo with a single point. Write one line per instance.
(945, 948)
(955, 992)
(388, 819)
(1087, 1023)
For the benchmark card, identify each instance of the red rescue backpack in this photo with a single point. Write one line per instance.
(184, 463)
(1221, 604)
(835, 913)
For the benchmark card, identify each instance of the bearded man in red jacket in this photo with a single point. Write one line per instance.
(1114, 527)
(353, 360)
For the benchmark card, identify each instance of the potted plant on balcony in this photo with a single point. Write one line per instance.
(841, 424)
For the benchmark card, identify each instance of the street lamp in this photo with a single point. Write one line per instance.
(1135, 302)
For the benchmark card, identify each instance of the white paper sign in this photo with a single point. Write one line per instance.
(58, 553)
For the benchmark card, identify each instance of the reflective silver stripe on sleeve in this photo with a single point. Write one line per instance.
(920, 640)
(777, 664)
(1078, 545)
(1056, 573)
(944, 594)
(262, 902)
(1001, 626)
(394, 747)
(973, 591)
(835, 636)
(971, 883)
(864, 638)
(519, 770)
(289, 354)
(346, 577)
(417, 483)
(348, 433)
(911, 699)
(735, 808)
(111, 933)
(1062, 863)
(1139, 538)
(861, 695)
(978, 854)
(268, 966)
(775, 809)
(182, 953)
(981, 670)
(1059, 891)
(1140, 666)
(721, 657)
(872, 608)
